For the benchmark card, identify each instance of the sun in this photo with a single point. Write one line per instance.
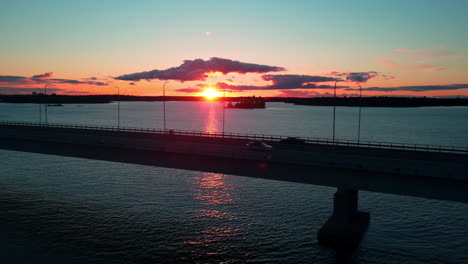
(210, 93)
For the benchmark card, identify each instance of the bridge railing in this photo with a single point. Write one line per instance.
(250, 137)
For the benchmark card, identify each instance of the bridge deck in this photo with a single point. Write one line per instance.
(418, 172)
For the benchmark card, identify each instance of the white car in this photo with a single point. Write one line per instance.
(259, 146)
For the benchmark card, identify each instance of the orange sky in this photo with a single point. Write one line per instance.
(88, 43)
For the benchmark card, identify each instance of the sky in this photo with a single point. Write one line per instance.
(246, 48)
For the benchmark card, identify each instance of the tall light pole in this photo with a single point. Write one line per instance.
(118, 106)
(45, 106)
(40, 104)
(224, 106)
(334, 110)
(164, 105)
(359, 121)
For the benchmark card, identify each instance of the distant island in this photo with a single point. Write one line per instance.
(316, 101)
(379, 101)
(248, 103)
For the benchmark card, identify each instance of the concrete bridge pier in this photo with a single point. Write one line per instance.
(346, 227)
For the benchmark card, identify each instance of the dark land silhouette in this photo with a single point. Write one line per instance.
(374, 101)
(317, 101)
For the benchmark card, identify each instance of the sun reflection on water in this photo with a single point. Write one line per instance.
(220, 223)
(212, 122)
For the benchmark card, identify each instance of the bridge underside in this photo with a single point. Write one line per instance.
(343, 230)
(411, 185)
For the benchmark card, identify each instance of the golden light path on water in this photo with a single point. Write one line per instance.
(212, 123)
(217, 197)
(220, 224)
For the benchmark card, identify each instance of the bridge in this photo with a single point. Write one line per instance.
(434, 172)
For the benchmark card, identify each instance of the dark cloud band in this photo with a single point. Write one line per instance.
(196, 70)
(422, 88)
(358, 77)
(17, 90)
(284, 82)
(44, 79)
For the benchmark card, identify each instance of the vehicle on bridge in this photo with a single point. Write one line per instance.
(293, 140)
(259, 146)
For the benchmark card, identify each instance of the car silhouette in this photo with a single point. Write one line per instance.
(259, 146)
(293, 140)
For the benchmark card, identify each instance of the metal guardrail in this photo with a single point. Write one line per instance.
(253, 137)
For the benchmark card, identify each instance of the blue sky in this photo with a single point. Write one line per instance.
(78, 39)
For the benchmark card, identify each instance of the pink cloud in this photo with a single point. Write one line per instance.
(436, 69)
(423, 66)
(440, 51)
(406, 51)
(428, 67)
(388, 63)
(301, 93)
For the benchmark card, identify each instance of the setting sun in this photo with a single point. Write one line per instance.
(210, 93)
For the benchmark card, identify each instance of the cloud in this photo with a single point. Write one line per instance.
(196, 70)
(422, 88)
(283, 82)
(435, 69)
(387, 77)
(43, 76)
(190, 90)
(68, 81)
(13, 79)
(302, 93)
(22, 90)
(334, 73)
(75, 92)
(289, 81)
(97, 83)
(43, 79)
(132, 83)
(358, 77)
(440, 51)
(361, 77)
(428, 67)
(388, 62)
(407, 51)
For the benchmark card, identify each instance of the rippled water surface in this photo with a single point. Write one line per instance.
(69, 210)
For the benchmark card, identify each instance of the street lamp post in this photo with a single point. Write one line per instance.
(40, 106)
(334, 110)
(224, 106)
(118, 106)
(359, 120)
(45, 106)
(164, 105)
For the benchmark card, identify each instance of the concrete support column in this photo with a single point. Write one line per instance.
(346, 227)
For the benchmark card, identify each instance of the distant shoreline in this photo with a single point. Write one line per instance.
(317, 101)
